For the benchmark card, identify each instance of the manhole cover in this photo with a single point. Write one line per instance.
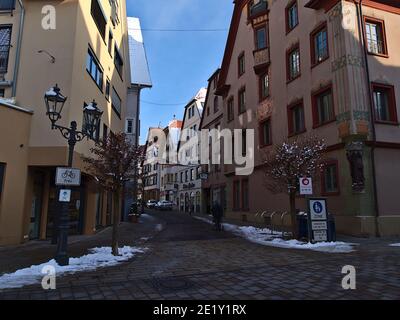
(172, 284)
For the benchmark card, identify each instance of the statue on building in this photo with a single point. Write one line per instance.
(355, 157)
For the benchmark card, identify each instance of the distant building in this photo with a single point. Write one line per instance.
(189, 182)
(140, 79)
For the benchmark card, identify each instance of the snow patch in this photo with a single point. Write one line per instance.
(395, 245)
(97, 258)
(267, 237)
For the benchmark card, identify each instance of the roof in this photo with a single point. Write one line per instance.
(140, 74)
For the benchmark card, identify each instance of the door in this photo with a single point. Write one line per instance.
(36, 207)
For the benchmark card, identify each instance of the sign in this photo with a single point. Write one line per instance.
(306, 187)
(318, 209)
(68, 177)
(65, 195)
(318, 220)
(204, 176)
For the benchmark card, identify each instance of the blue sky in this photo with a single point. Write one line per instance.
(180, 62)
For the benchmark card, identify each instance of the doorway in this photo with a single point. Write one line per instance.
(36, 206)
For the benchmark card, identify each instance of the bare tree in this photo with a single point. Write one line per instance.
(290, 161)
(113, 163)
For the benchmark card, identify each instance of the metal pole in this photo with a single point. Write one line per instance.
(63, 227)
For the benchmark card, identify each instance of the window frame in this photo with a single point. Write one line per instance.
(118, 112)
(314, 103)
(241, 91)
(321, 27)
(103, 36)
(261, 97)
(289, 52)
(324, 192)
(98, 65)
(392, 103)
(262, 143)
(120, 67)
(241, 58)
(230, 111)
(287, 11)
(256, 29)
(127, 121)
(290, 109)
(9, 27)
(381, 22)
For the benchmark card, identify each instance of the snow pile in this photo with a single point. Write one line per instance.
(395, 245)
(98, 258)
(274, 239)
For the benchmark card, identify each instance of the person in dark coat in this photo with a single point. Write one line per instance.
(217, 213)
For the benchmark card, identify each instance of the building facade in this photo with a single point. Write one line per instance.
(82, 46)
(214, 187)
(189, 180)
(140, 79)
(327, 68)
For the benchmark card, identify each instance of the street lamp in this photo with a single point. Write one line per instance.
(55, 101)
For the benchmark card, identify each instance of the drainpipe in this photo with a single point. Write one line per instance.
(18, 52)
(359, 5)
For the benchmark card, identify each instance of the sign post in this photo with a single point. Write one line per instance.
(306, 186)
(318, 219)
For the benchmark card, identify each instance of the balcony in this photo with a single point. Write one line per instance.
(7, 5)
(258, 9)
(261, 60)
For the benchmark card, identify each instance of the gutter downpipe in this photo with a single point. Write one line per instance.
(359, 4)
(18, 53)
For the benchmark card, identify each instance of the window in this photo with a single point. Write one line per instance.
(208, 111)
(384, 103)
(116, 102)
(242, 100)
(5, 40)
(319, 45)
(263, 86)
(241, 65)
(216, 107)
(265, 133)
(186, 176)
(94, 69)
(181, 177)
(293, 63)
(99, 18)
(191, 174)
(376, 38)
(118, 62)
(2, 93)
(2, 174)
(108, 88)
(261, 38)
(245, 194)
(296, 119)
(7, 5)
(230, 109)
(110, 42)
(236, 195)
(323, 110)
(330, 178)
(129, 126)
(292, 16)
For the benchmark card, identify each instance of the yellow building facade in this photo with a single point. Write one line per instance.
(82, 46)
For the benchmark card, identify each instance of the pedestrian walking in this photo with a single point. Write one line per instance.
(217, 213)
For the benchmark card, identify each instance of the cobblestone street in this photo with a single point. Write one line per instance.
(189, 260)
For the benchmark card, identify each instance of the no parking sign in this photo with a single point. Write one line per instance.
(306, 187)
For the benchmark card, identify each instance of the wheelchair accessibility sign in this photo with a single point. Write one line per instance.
(318, 209)
(318, 219)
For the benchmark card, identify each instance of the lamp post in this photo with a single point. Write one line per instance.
(55, 101)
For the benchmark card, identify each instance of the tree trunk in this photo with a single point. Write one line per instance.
(116, 221)
(293, 215)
